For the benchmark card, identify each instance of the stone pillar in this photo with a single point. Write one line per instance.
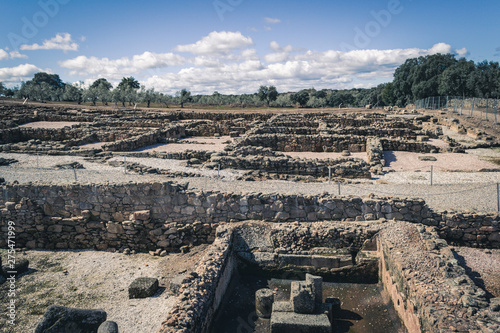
(302, 297)
(317, 287)
(264, 299)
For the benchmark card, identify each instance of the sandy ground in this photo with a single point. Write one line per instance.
(438, 143)
(483, 266)
(323, 156)
(50, 124)
(93, 145)
(406, 161)
(193, 143)
(96, 280)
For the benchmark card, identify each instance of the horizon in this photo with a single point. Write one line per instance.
(234, 46)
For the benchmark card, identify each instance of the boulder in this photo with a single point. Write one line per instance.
(108, 327)
(62, 319)
(143, 287)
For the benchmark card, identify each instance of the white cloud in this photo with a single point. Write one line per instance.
(19, 73)
(462, 52)
(289, 69)
(222, 42)
(440, 48)
(118, 68)
(271, 20)
(4, 55)
(61, 41)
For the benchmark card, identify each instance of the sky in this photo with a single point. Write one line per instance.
(235, 46)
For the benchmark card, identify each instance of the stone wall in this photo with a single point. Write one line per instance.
(202, 294)
(146, 139)
(82, 215)
(429, 289)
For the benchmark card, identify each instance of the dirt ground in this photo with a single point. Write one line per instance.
(94, 280)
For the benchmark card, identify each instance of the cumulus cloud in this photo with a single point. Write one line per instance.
(118, 68)
(290, 69)
(19, 73)
(222, 42)
(4, 55)
(61, 41)
(271, 20)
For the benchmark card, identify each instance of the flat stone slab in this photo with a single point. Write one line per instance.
(290, 322)
(143, 287)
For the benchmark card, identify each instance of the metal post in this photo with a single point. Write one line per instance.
(462, 106)
(432, 172)
(218, 171)
(74, 171)
(125, 164)
(486, 114)
(339, 187)
(498, 197)
(329, 174)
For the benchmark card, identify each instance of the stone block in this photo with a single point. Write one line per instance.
(294, 259)
(325, 261)
(142, 215)
(287, 322)
(143, 287)
(63, 319)
(302, 297)
(317, 287)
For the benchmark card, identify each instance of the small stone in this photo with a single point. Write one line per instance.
(143, 287)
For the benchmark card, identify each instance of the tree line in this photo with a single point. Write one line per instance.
(417, 78)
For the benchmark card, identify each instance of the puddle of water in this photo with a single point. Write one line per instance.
(364, 307)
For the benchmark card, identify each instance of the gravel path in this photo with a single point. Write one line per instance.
(459, 191)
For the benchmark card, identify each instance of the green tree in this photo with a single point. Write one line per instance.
(388, 96)
(53, 80)
(301, 98)
(483, 82)
(453, 81)
(341, 98)
(128, 82)
(2, 89)
(267, 94)
(183, 96)
(73, 93)
(104, 83)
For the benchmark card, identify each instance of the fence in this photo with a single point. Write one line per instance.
(482, 108)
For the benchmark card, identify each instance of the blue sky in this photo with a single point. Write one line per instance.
(234, 46)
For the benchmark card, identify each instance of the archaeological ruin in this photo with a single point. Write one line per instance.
(292, 250)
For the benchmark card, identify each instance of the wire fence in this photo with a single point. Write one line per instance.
(481, 108)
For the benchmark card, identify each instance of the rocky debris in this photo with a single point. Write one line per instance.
(143, 287)
(7, 161)
(108, 327)
(73, 165)
(62, 319)
(427, 158)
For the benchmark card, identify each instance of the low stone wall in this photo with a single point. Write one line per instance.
(89, 209)
(474, 230)
(202, 294)
(342, 167)
(147, 139)
(306, 143)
